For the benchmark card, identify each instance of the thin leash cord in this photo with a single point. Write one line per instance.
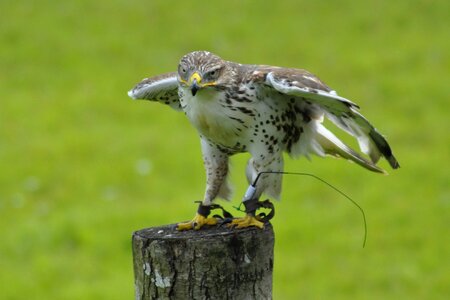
(328, 184)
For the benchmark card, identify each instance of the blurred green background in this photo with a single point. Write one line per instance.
(83, 166)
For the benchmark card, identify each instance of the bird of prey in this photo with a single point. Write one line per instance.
(265, 111)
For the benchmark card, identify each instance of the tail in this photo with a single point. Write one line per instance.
(383, 147)
(331, 145)
(370, 140)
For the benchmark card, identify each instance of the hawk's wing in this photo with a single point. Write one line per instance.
(162, 88)
(341, 111)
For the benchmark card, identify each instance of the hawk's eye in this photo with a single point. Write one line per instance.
(212, 74)
(183, 70)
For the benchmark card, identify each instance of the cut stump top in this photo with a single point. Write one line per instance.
(169, 232)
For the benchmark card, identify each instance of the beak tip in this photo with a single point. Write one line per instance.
(194, 88)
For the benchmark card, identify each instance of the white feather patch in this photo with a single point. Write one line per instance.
(310, 93)
(149, 90)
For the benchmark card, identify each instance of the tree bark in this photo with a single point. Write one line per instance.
(210, 263)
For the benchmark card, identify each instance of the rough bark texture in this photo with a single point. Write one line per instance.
(211, 263)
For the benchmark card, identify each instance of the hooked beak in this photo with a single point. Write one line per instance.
(195, 83)
(194, 87)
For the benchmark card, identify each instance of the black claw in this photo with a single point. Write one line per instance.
(225, 221)
(254, 204)
(218, 217)
(227, 215)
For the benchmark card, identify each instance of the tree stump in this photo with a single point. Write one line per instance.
(211, 263)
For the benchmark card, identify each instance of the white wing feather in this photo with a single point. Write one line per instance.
(341, 111)
(326, 99)
(162, 88)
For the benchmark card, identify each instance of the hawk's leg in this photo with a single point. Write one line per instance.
(250, 219)
(216, 165)
(268, 183)
(200, 219)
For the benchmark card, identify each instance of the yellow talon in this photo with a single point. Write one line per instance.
(247, 221)
(196, 223)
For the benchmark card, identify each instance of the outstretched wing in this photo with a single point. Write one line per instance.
(162, 88)
(341, 111)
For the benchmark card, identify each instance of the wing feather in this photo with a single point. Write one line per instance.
(341, 111)
(162, 88)
(325, 98)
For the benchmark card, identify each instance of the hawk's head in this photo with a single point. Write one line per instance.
(201, 69)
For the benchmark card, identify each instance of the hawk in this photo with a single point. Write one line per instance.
(265, 111)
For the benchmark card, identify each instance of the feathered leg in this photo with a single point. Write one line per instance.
(267, 183)
(216, 165)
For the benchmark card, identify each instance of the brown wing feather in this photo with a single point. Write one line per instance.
(344, 113)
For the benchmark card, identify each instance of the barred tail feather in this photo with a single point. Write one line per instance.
(384, 148)
(318, 140)
(331, 145)
(370, 141)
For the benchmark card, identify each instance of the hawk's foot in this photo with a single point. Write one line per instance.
(198, 222)
(247, 221)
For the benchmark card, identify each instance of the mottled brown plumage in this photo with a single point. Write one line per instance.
(263, 110)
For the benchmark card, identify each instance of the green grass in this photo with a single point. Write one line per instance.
(82, 166)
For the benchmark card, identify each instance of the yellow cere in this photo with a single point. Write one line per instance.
(208, 83)
(195, 76)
